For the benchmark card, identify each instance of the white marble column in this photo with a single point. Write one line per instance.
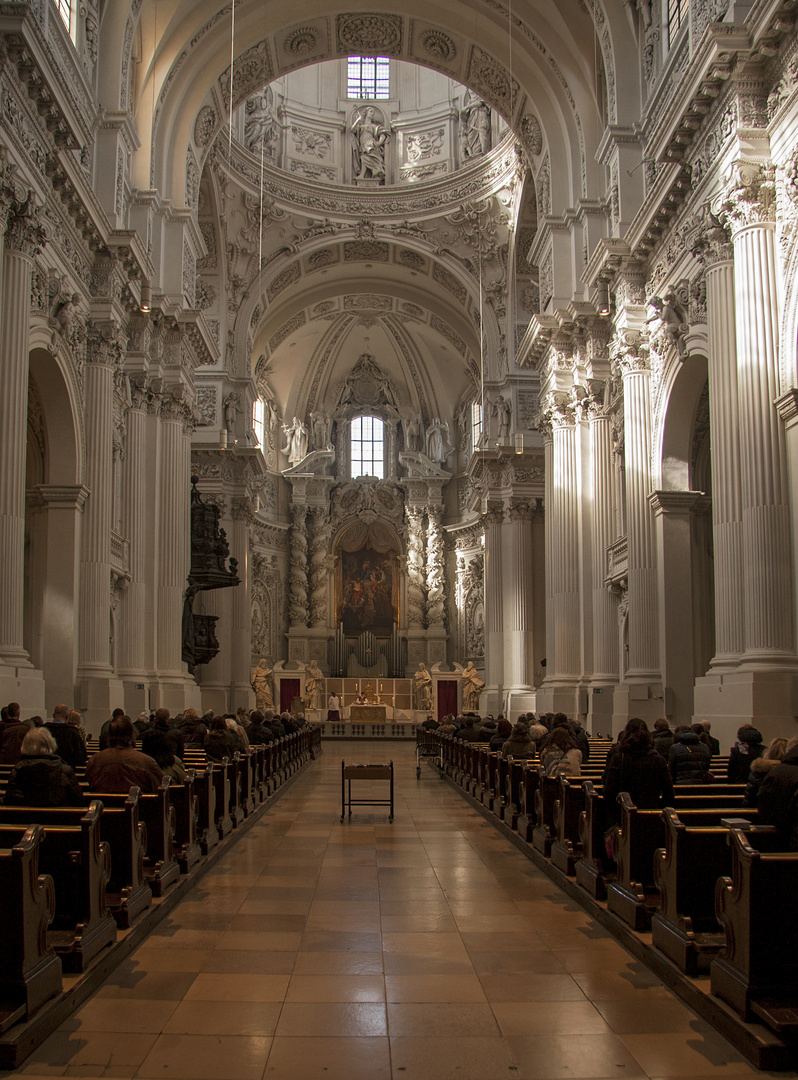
(435, 578)
(298, 574)
(518, 598)
(564, 551)
(23, 239)
(766, 538)
(632, 359)
(494, 606)
(415, 568)
(605, 664)
(319, 570)
(102, 358)
(136, 498)
(724, 417)
(174, 538)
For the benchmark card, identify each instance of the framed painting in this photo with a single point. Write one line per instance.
(368, 591)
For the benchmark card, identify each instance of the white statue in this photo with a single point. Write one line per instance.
(474, 126)
(368, 146)
(422, 688)
(438, 446)
(259, 126)
(502, 409)
(473, 686)
(296, 441)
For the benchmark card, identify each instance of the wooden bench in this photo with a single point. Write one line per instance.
(158, 816)
(30, 971)
(594, 869)
(79, 862)
(685, 927)
(128, 892)
(566, 848)
(184, 801)
(633, 896)
(757, 973)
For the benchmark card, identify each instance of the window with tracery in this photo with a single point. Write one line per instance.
(678, 11)
(367, 447)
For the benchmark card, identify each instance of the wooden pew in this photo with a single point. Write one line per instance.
(30, 971)
(633, 896)
(205, 788)
(569, 805)
(513, 789)
(527, 819)
(184, 801)
(594, 869)
(128, 893)
(757, 973)
(156, 813)
(72, 853)
(685, 927)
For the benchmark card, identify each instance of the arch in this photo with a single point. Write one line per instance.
(673, 460)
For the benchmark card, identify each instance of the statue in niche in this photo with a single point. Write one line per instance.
(473, 686)
(259, 127)
(422, 688)
(296, 441)
(232, 407)
(503, 411)
(474, 126)
(410, 427)
(438, 446)
(321, 430)
(368, 146)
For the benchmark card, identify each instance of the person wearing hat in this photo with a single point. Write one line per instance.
(748, 747)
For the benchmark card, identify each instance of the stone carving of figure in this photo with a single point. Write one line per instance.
(410, 428)
(296, 441)
(320, 425)
(313, 685)
(368, 146)
(664, 320)
(438, 441)
(259, 126)
(422, 688)
(472, 687)
(232, 407)
(261, 683)
(474, 126)
(502, 409)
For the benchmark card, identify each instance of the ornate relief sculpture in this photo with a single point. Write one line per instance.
(259, 127)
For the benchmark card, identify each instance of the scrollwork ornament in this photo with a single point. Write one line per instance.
(712, 241)
(750, 197)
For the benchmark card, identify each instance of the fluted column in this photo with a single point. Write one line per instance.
(518, 597)
(749, 208)
(23, 239)
(632, 358)
(174, 535)
(494, 605)
(131, 655)
(724, 412)
(602, 522)
(103, 355)
(241, 605)
(564, 551)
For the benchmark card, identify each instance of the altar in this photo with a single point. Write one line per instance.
(367, 714)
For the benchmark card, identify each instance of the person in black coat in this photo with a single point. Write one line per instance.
(71, 747)
(41, 778)
(220, 742)
(689, 759)
(663, 738)
(778, 797)
(641, 771)
(748, 747)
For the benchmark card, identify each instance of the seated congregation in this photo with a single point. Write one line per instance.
(680, 849)
(96, 834)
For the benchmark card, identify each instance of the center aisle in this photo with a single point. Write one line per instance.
(429, 949)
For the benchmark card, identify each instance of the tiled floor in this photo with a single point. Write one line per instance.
(429, 949)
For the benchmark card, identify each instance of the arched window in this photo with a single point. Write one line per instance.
(367, 447)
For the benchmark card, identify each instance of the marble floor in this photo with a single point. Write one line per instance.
(426, 949)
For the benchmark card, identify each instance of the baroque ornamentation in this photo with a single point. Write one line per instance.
(750, 197)
(531, 135)
(369, 33)
(204, 125)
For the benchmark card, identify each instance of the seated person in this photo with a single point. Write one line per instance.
(41, 778)
(221, 742)
(121, 766)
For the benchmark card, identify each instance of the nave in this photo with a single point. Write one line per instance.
(426, 949)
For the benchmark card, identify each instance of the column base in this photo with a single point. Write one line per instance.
(600, 708)
(519, 701)
(558, 697)
(24, 684)
(223, 698)
(97, 696)
(643, 699)
(766, 699)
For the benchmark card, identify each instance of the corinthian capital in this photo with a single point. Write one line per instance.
(105, 344)
(711, 242)
(559, 409)
(629, 352)
(750, 195)
(25, 232)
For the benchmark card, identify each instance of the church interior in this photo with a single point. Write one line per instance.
(395, 364)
